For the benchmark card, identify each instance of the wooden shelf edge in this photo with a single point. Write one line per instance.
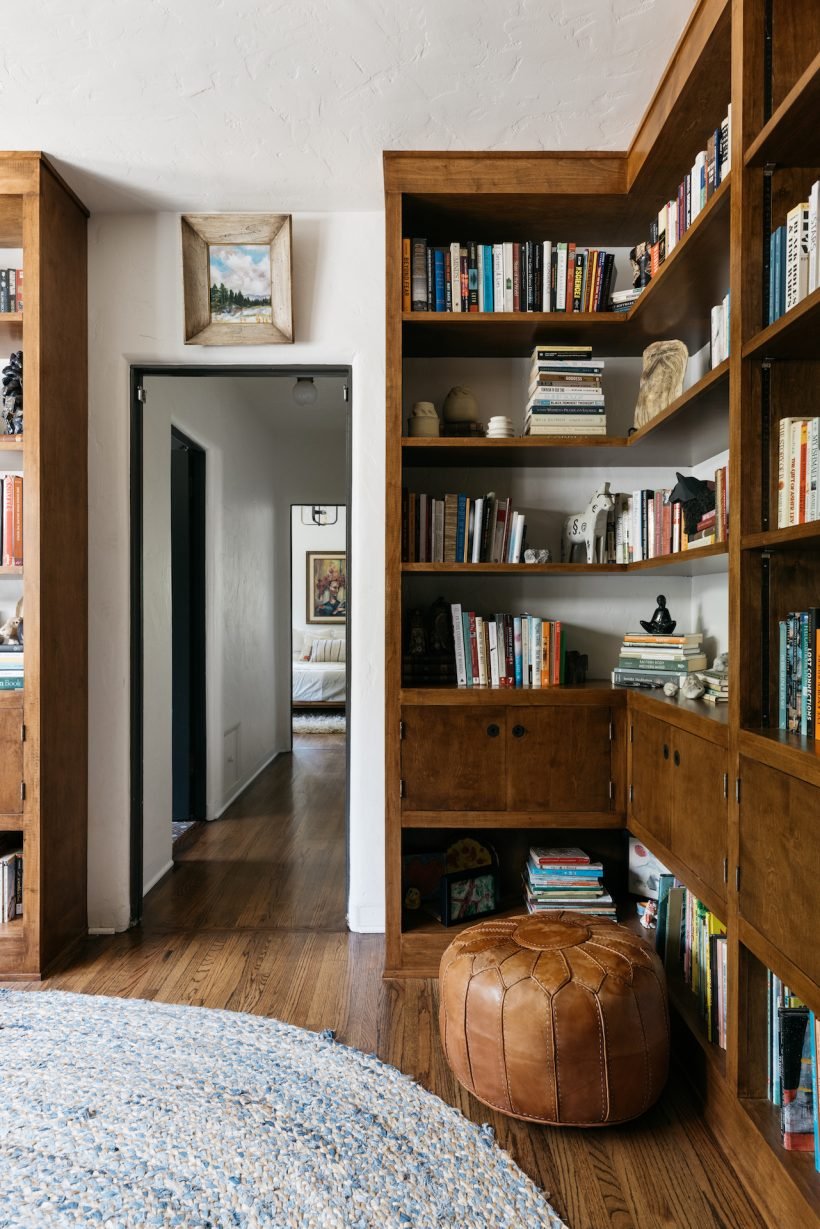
(717, 375)
(11, 571)
(11, 443)
(789, 535)
(11, 317)
(573, 569)
(684, 556)
(477, 319)
(513, 819)
(591, 693)
(797, 1167)
(772, 957)
(711, 899)
(790, 753)
(12, 698)
(764, 147)
(710, 722)
(776, 335)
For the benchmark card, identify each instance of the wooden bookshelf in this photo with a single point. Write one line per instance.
(11, 570)
(752, 793)
(43, 727)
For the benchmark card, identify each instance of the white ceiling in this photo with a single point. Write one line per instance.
(287, 104)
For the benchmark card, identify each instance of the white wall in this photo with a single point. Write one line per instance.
(304, 538)
(136, 317)
(240, 589)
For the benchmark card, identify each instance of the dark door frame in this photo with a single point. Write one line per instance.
(139, 373)
(196, 624)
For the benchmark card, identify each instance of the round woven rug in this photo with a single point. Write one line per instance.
(122, 1113)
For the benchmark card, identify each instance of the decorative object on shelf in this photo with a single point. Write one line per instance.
(721, 663)
(661, 623)
(692, 688)
(494, 1047)
(697, 497)
(468, 893)
(416, 634)
(463, 430)
(640, 259)
(500, 428)
(644, 870)
(441, 629)
(648, 915)
(429, 651)
(12, 395)
(412, 899)
(460, 405)
(423, 422)
(664, 366)
(326, 587)
(537, 554)
(468, 854)
(575, 667)
(588, 528)
(670, 689)
(236, 274)
(421, 878)
(11, 631)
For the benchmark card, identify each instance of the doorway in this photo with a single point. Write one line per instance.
(211, 628)
(188, 726)
(319, 616)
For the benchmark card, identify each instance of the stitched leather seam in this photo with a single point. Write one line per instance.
(467, 1028)
(604, 1065)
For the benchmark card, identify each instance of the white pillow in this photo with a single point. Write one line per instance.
(327, 633)
(328, 650)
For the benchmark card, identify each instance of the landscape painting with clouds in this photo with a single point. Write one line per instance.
(240, 283)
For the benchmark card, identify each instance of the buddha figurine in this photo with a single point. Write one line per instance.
(661, 623)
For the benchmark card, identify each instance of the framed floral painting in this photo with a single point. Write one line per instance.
(326, 587)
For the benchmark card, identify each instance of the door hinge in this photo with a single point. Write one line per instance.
(725, 870)
(22, 791)
(632, 793)
(401, 788)
(611, 731)
(737, 878)
(611, 790)
(346, 392)
(23, 732)
(141, 394)
(737, 790)
(631, 733)
(726, 786)
(401, 729)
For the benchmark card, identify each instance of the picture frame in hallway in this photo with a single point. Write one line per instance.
(236, 277)
(326, 586)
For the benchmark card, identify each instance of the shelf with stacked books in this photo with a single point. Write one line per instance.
(794, 335)
(682, 563)
(792, 136)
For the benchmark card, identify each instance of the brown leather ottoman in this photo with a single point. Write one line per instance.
(556, 1017)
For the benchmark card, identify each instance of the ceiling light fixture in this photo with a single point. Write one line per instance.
(320, 514)
(305, 391)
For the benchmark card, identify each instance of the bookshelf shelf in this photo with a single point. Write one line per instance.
(792, 136)
(790, 753)
(542, 453)
(709, 721)
(798, 1167)
(512, 819)
(793, 336)
(11, 443)
(697, 561)
(593, 692)
(7, 318)
(685, 1004)
(11, 699)
(684, 563)
(790, 535)
(11, 571)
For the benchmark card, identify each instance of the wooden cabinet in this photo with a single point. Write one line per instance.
(518, 759)
(679, 787)
(779, 857)
(11, 760)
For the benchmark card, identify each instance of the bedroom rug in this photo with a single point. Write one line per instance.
(123, 1113)
(319, 723)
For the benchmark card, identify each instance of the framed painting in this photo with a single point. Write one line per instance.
(326, 587)
(236, 276)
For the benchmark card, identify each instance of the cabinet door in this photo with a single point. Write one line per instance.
(454, 758)
(779, 858)
(651, 780)
(699, 807)
(11, 761)
(559, 759)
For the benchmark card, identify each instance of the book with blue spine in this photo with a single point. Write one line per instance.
(439, 281)
(488, 278)
(461, 528)
(782, 706)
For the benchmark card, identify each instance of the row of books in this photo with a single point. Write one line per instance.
(11, 545)
(647, 525)
(11, 885)
(794, 257)
(710, 168)
(792, 1076)
(798, 686)
(691, 942)
(719, 332)
(507, 650)
(531, 276)
(461, 529)
(565, 394)
(650, 661)
(566, 878)
(798, 463)
(11, 290)
(11, 667)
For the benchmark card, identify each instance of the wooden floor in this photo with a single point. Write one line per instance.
(252, 918)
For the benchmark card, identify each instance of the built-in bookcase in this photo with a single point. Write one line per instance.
(43, 727)
(728, 803)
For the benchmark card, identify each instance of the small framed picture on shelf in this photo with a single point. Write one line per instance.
(468, 894)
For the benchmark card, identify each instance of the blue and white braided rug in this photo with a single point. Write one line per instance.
(126, 1114)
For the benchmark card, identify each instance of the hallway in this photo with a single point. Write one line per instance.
(252, 919)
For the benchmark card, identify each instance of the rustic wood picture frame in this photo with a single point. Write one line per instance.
(200, 231)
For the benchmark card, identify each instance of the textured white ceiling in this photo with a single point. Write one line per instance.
(287, 104)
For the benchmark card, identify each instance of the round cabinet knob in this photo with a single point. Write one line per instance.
(493, 730)
(665, 752)
(677, 759)
(519, 731)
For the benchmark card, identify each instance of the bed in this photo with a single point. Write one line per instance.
(317, 684)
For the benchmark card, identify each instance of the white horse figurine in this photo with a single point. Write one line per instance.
(588, 527)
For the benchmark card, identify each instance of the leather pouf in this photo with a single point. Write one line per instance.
(556, 1017)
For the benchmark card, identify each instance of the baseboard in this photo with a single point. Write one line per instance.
(154, 880)
(240, 789)
(366, 919)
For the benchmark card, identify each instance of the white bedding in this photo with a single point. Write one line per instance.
(319, 680)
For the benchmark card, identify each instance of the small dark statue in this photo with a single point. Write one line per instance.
(575, 667)
(661, 623)
(11, 416)
(697, 498)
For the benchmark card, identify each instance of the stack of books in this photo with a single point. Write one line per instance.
(798, 685)
(565, 395)
(651, 661)
(798, 475)
(794, 257)
(717, 686)
(507, 650)
(621, 300)
(691, 942)
(461, 529)
(566, 879)
(11, 290)
(11, 667)
(11, 885)
(793, 1042)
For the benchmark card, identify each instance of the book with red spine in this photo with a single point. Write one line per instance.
(558, 857)
(555, 670)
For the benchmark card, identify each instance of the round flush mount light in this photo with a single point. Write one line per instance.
(305, 391)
